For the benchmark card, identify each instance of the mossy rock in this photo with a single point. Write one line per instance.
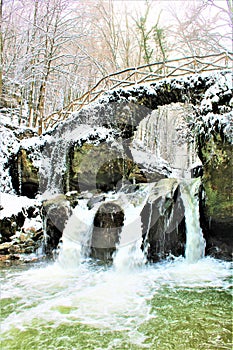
(217, 157)
(100, 167)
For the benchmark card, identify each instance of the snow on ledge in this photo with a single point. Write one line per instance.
(12, 204)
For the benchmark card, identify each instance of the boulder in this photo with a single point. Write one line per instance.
(108, 222)
(56, 212)
(102, 167)
(164, 221)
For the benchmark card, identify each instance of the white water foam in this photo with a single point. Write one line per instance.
(99, 297)
(78, 231)
(77, 234)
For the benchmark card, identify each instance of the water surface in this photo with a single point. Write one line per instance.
(168, 305)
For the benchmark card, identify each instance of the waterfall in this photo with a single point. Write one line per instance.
(161, 137)
(53, 166)
(77, 235)
(195, 242)
(129, 253)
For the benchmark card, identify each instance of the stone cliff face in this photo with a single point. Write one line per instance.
(132, 140)
(216, 154)
(103, 167)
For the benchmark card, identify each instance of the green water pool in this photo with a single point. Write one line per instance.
(164, 306)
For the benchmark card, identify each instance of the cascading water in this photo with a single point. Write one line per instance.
(195, 242)
(129, 253)
(76, 238)
(77, 235)
(52, 167)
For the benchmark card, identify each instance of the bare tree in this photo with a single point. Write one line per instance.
(199, 30)
(151, 37)
(125, 38)
(225, 12)
(40, 56)
(52, 51)
(107, 30)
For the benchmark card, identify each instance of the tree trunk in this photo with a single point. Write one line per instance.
(32, 88)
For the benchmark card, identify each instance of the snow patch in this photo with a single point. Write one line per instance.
(33, 223)
(13, 204)
(9, 146)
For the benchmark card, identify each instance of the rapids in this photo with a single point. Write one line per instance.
(168, 305)
(79, 303)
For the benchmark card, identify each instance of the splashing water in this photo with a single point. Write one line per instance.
(94, 307)
(78, 231)
(77, 235)
(76, 303)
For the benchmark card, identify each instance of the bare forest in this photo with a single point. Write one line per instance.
(52, 51)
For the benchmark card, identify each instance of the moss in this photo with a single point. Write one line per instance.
(218, 204)
(216, 156)
(98, 167)
(29, 171)
(79, 154)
